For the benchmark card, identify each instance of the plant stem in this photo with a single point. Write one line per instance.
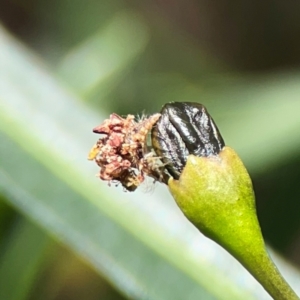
(264, 270)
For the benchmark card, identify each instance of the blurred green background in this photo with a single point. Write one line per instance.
(66, 65)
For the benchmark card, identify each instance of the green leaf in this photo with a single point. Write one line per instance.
(20, 262)
(139, 241)
(102, 58)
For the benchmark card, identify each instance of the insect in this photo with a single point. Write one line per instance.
(184, 128)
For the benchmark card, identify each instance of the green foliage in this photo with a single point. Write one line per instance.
(139, 242)
(19, 269)
(44, 174)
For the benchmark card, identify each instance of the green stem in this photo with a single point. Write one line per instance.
(215, 193)
(265, 271)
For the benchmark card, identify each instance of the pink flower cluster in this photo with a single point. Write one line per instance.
(122, 153)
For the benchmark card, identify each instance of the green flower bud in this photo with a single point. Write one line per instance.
(213, 189)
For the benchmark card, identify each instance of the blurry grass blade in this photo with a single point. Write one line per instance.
(7, 215)
(20, 263)
(261, 119)
(140, 242)
(138, 250)
(127, 262)
(106, 54)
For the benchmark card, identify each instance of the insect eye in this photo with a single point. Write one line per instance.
(184, 128)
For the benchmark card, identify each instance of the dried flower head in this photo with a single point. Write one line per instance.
(122, 153)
